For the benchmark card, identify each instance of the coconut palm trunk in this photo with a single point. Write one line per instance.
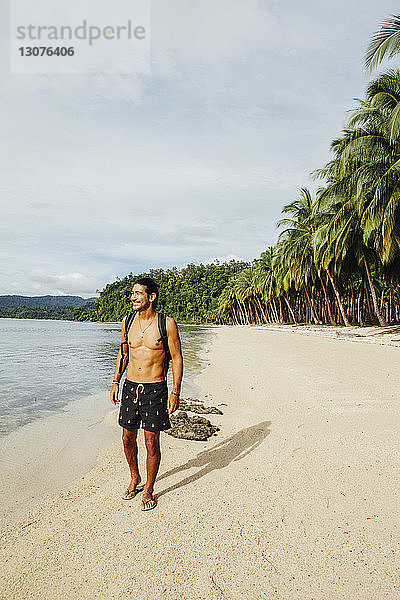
(377, 310)
(290, 310)
(310, 303)
(274, 311)
(328, 307)
(261, 308)
(338, 300)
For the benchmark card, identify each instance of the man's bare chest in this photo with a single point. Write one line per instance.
(149, 339)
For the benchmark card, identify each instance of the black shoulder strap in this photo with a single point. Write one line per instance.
(162, 326)
(128, 322)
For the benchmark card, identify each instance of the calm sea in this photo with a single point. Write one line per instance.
(45, 365)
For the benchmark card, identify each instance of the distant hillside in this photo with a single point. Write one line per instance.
(38, 301)
(63, 313)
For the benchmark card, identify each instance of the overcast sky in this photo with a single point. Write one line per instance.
(104, 175)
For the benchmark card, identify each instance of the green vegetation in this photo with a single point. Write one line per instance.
(189, 295)
(337, 259)
(39, 312)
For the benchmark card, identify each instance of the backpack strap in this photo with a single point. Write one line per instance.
(162, 327)
(128, 322)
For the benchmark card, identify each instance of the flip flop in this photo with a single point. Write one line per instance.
(152, 501)
(130, 494)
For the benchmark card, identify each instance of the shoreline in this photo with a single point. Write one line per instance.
(283, 503)
(386, 336)
(42, 458)
(206, 325)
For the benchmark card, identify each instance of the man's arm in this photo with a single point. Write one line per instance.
(174, 344)
(122, 361)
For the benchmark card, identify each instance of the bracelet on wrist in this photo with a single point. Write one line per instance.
(117, 382)
(176, 394)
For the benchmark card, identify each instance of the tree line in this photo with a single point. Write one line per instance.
(337, 256)
(189, 295)
(65, 313)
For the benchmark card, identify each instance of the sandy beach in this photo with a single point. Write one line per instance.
(296, 497)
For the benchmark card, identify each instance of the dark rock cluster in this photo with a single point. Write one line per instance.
(197, 407)
(193, 428)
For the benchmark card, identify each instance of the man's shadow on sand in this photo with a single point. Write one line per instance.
(232, 449)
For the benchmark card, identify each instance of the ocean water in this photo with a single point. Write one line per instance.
(55, 412)
(45, 365)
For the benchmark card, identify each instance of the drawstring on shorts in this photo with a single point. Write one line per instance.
(137, 391)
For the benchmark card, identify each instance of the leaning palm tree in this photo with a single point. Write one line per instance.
(340, 241)
(368, 155)
(227, 303)
(263, 281)
(296, 254)
(382, 105)
(384, 44)
(245, 292)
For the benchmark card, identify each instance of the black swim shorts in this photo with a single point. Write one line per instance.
(144, 405)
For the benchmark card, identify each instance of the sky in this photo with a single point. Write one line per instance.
(103, 175)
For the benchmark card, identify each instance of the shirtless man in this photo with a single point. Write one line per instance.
(145, 400)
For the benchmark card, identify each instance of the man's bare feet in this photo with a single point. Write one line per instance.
(133, 489)
(148, 500)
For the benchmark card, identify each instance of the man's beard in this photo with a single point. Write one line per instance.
(142, 308)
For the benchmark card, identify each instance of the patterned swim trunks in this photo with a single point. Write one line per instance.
(144, 405)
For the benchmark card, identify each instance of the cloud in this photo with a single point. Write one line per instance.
(101, 175)
(224, 259)
(68, 283)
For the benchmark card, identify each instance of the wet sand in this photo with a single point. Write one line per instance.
(295, 498)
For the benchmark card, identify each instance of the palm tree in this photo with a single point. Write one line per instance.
(264, 281)
(340, 243)
(384, 44)
(372, 152)
(348, 240)
(227, 303)
(244, 294)
(296, 252)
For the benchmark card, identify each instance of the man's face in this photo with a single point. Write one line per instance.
(140, 299)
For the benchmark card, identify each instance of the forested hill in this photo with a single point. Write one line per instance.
(35, 301)
(42, 307)
(189, 295)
